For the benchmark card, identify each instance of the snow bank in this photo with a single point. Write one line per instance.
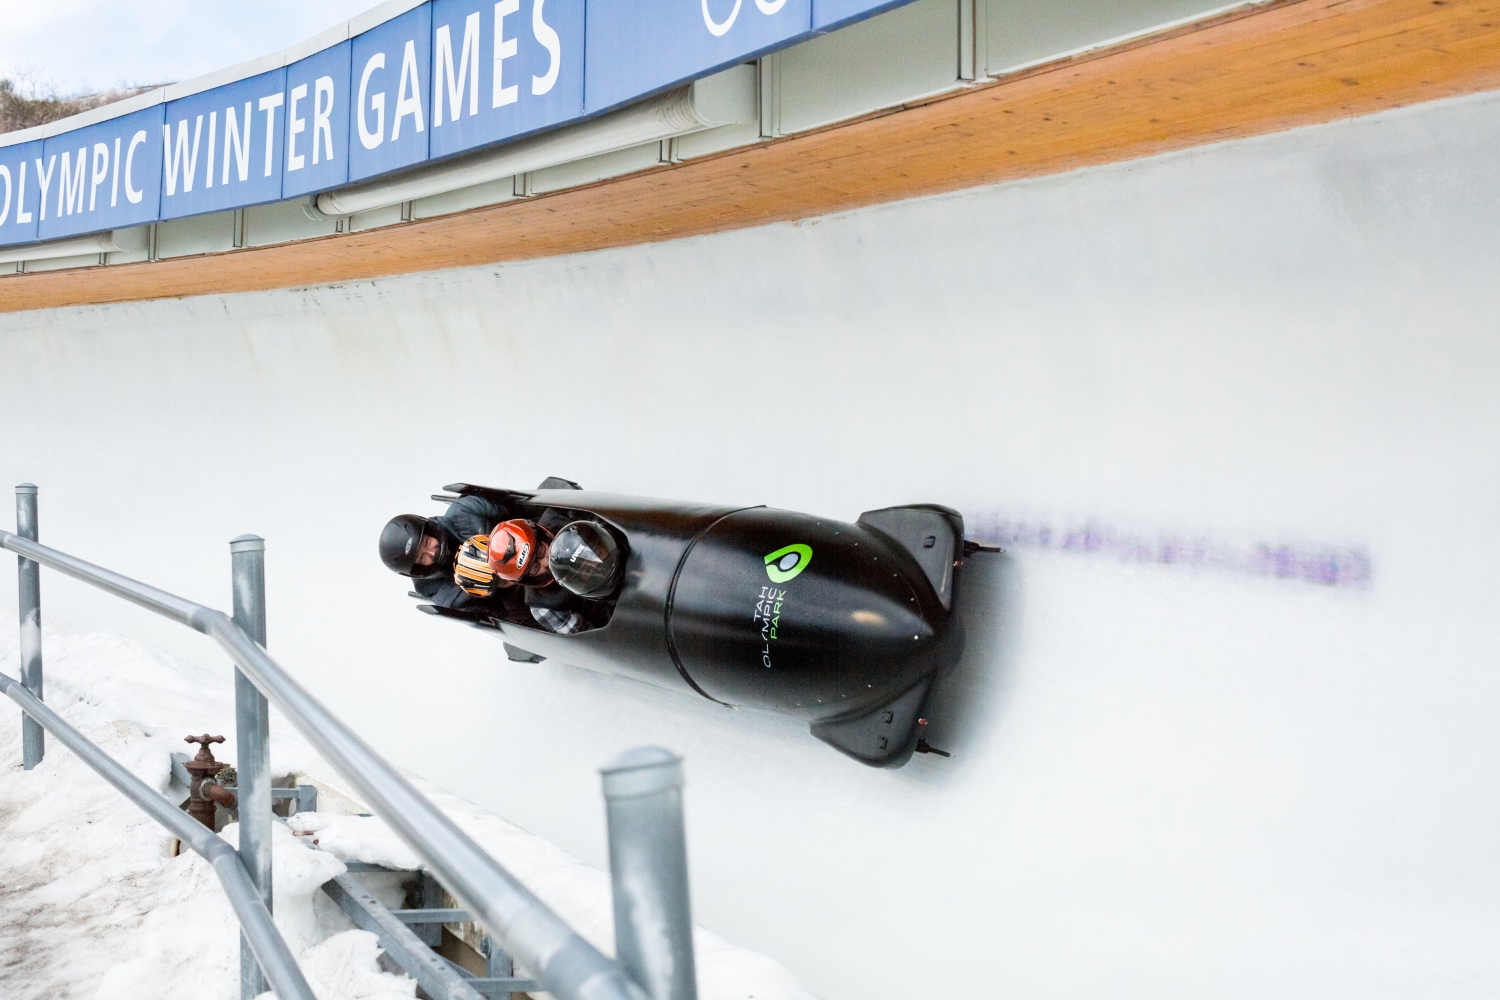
(345, 966)
(93, 907)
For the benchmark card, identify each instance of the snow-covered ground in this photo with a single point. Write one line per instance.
(93, 905)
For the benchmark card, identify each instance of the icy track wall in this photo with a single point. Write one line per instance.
(1170, 778)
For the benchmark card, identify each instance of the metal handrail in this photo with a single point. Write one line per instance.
(566, 965)
(270, 949)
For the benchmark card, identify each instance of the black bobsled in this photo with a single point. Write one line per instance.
(844, 626)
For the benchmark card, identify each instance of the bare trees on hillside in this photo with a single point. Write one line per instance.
(26, 101)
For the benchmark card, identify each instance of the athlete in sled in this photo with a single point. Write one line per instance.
(462, 565)
(844, 626)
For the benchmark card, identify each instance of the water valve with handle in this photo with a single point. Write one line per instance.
(202, 766)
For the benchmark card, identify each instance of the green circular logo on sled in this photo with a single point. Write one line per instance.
(785, 563)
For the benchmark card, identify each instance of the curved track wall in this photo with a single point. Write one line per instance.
(1169, 778)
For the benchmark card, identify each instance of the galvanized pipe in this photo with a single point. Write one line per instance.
(270, 950)
(567, 966)
(33, 737)
(252, 731)
(165, 604)
(648, 872)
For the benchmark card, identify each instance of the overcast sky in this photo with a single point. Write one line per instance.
(89, 45)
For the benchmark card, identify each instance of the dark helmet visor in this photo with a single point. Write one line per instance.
(586, 559)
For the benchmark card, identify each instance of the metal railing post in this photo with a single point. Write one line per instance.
(648, 872)
(252, 743)
(33, 736)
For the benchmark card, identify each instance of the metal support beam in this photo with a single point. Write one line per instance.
(970, 67)
(431, 971)
(432, 899)
(440, 916)
(252, 742)
(498, 967)
(503, 987)
(499, 979)
(648, 872)
(494, 986)
(769, 66)
(178, 770)
(306, 796)
(33, 737)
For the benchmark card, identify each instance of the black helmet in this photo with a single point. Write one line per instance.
(401, 541)
(585, 558)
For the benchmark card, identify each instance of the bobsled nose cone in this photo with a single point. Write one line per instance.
(815, 618)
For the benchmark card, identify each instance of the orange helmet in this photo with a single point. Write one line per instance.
(517, 549)
(471, 567)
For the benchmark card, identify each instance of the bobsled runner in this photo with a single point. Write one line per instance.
(844, 626)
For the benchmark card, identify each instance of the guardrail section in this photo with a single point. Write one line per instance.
(653, 925)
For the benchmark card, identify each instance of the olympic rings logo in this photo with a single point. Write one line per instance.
(718, 28)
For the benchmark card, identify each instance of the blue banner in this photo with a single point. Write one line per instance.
(104, 176)
(391, 70)
(317, 123)
(443, 78)
(20, 198)
(501, 70)
(222, 148)
(640, 48)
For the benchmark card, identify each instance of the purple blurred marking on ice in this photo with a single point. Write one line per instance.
(1326, 565)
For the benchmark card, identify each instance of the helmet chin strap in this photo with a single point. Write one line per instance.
(534, 577)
